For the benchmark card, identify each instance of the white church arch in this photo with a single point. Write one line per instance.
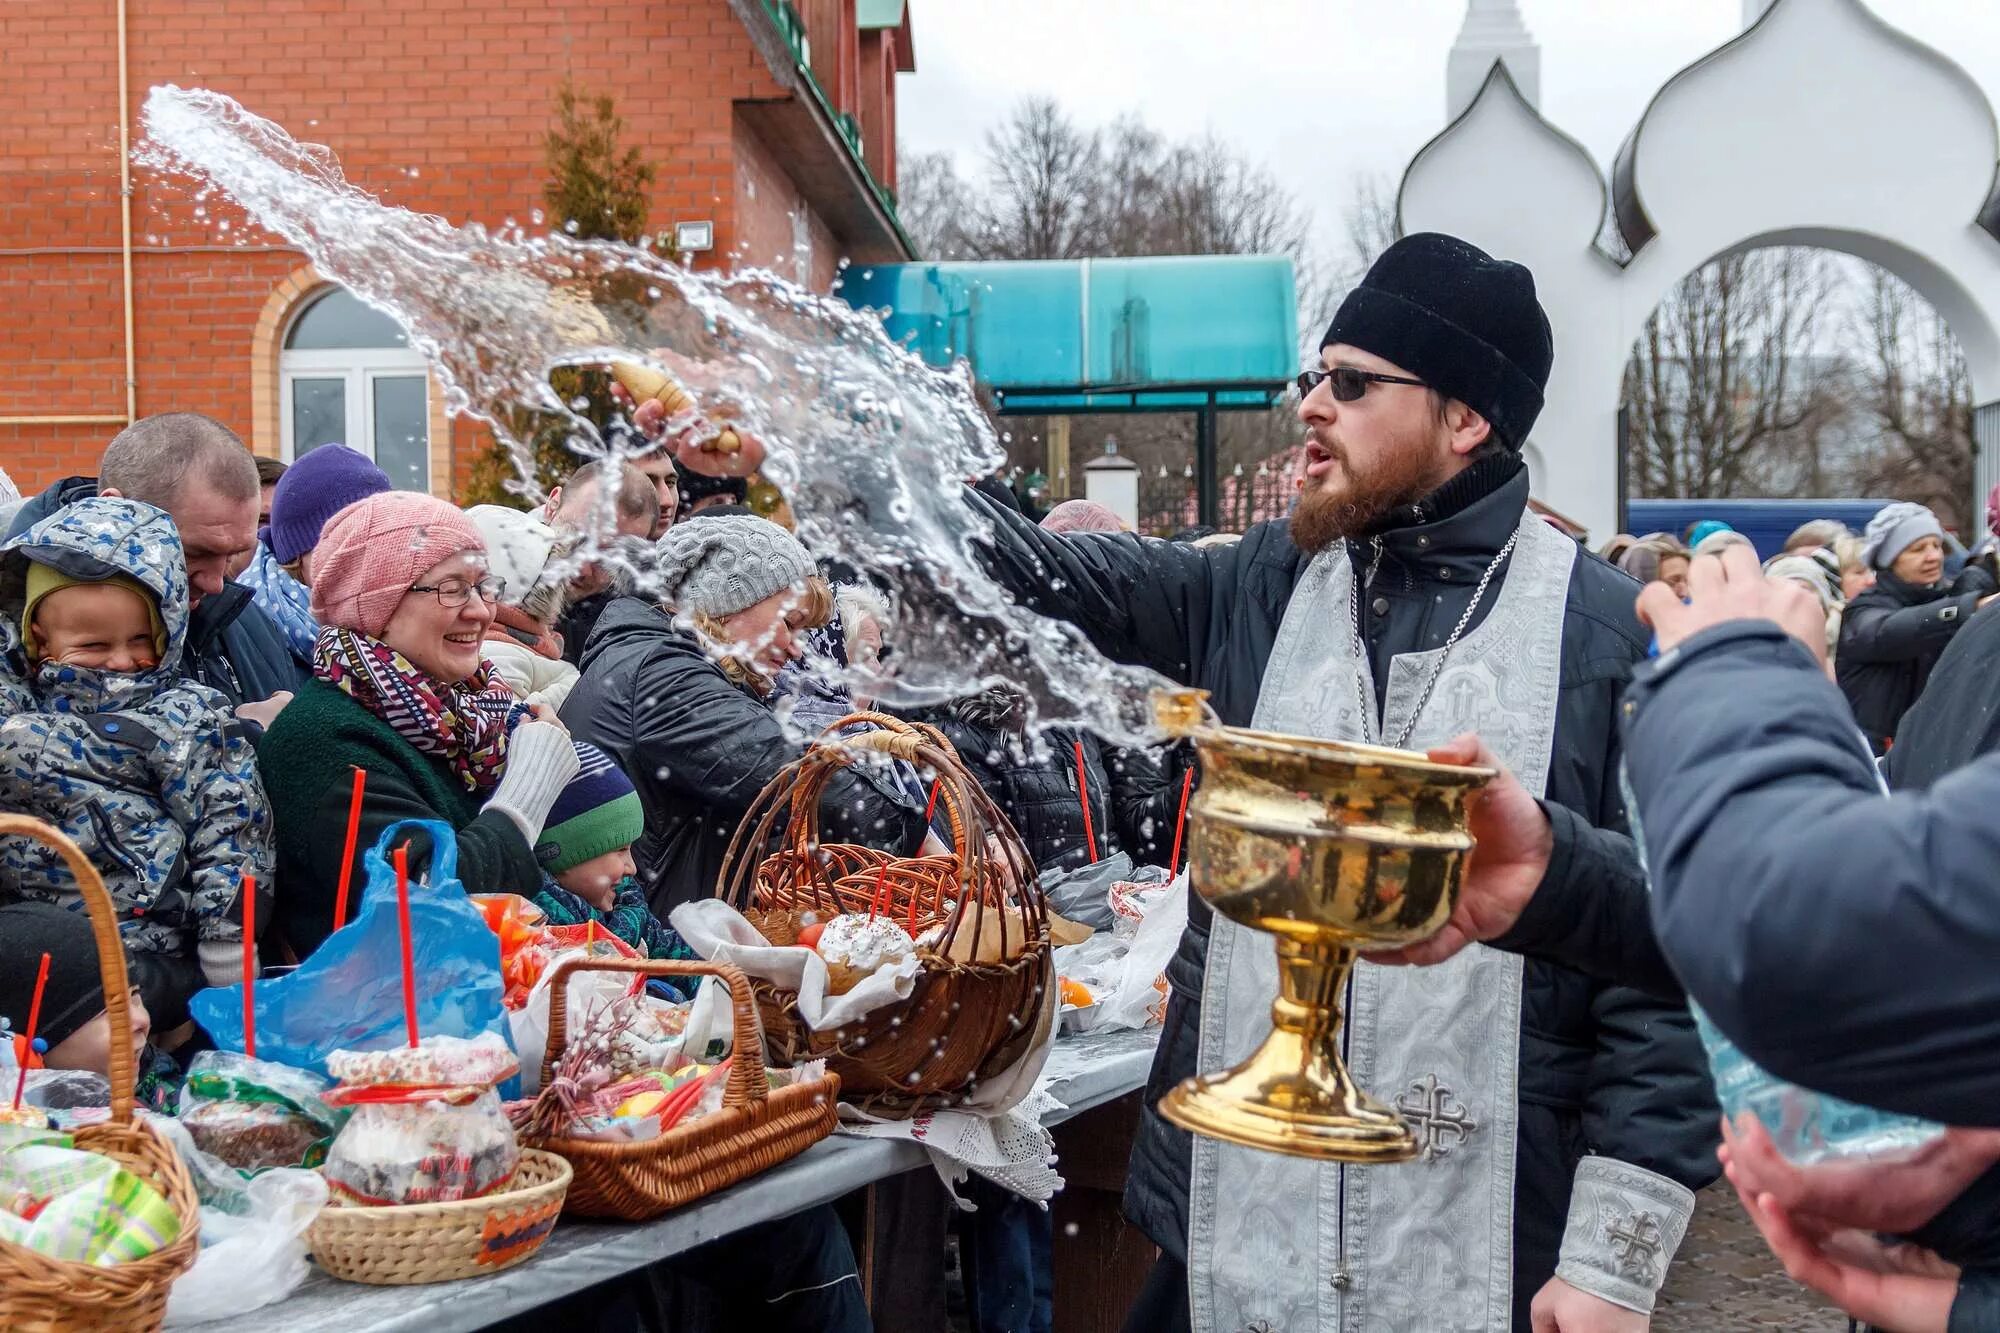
(1820, 125)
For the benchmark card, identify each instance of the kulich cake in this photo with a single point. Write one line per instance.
(854, 946)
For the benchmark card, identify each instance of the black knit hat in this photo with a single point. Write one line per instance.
(74, 995)
(1461, 321)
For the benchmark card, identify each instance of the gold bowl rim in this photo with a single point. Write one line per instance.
(1312, 747)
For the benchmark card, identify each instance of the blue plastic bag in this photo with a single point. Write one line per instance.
(349, 994)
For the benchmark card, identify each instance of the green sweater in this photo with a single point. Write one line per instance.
(307, 759)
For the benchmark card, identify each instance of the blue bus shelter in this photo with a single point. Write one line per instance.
(1200, 334)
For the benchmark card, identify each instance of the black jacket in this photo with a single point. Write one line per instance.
(699, 749)
(1957, 717)
(1603, 1067)
(1891, 637)
(232, 645)
(1038, 793)
(1845, 940)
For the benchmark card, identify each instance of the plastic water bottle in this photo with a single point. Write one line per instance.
(1806, 1126)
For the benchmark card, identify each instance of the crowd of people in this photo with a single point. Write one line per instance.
(199, 650)
(1893, 596)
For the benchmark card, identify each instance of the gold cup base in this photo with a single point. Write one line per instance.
(1294, 1095)
(1292, 1114)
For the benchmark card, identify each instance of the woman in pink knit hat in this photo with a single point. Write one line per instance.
(401, 689)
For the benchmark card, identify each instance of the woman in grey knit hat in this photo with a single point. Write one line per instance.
(1892, 634)
(676, 686)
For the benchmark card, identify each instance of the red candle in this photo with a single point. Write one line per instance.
(403, 929)
(34, 1019)
(1083, 794)
(347, 857)
(250, 966)
(1180, 822)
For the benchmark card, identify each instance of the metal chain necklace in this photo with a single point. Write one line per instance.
(1363, 692)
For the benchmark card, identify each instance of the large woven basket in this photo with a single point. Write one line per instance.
(43, 1295)
(755, 1130)
(963, 1021)
(400, 1245)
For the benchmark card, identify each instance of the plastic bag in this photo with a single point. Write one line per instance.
(439, 1146)
(524, 950)
(435, 1062)
(588, 993)
(349, 994)
(1140, 998)
(427, 1125)
(1084, 894)
(70, 1203)
(255, 1114)
(253, 1246)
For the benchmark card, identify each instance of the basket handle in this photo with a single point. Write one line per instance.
(103, 914)
(746, 1066)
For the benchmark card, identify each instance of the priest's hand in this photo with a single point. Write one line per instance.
(1503, 871)
(1561, 1308)
(1900, 1193)
(1728, 587)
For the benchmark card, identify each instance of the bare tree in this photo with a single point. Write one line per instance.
(1732, 386)
(933, 204)
(1038, 201)
(1051, 189)
(1913, 383)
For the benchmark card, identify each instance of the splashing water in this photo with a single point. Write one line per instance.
(870, 445)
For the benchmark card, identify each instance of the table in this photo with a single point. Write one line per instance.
(1083, 1072)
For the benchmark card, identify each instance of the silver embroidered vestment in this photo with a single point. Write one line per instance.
(1291, 1245)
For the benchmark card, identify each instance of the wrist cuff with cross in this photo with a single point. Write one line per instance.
(1624, 1225)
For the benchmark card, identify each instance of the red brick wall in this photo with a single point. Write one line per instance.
(442, 107)
(767, 202)
(878, 104)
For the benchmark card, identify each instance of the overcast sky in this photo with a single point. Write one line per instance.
(1320, 90)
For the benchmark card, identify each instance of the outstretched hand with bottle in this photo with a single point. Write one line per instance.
(711, 443)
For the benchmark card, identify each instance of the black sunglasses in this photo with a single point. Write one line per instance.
(1348, 383)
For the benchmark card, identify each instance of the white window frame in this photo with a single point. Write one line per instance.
(358, 367)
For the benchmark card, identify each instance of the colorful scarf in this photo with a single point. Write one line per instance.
(466, 725)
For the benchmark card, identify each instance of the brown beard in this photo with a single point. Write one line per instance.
(1325, 516)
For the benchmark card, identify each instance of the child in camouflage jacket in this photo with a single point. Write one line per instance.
(102, 736)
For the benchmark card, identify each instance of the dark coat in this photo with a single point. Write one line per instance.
(232, 645)
(308, 759)
(699, 749)
(1037, 792)
(1843, 940)
(1957, 717)
(1891, 637)
(1603, 1067)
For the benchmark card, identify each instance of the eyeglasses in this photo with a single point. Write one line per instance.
(454, 593)
(1348, 383)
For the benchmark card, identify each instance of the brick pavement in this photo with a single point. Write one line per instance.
(1724, 1279)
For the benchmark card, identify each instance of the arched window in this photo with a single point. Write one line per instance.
(347, 375)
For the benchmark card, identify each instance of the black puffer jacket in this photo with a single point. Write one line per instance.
(1038, 792)
(1603, 1068)
(232, 645)
(1890, 638)
(699, 749)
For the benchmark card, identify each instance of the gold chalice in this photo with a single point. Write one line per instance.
(1333, 848)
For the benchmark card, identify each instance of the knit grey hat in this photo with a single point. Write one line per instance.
(720, 565)
(1892, 531)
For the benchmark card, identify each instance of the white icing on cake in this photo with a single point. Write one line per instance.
(864, 944)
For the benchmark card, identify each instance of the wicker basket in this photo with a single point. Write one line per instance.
(962, 1021)
(755, 1130)
(401, 1245)
(43, 1295)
